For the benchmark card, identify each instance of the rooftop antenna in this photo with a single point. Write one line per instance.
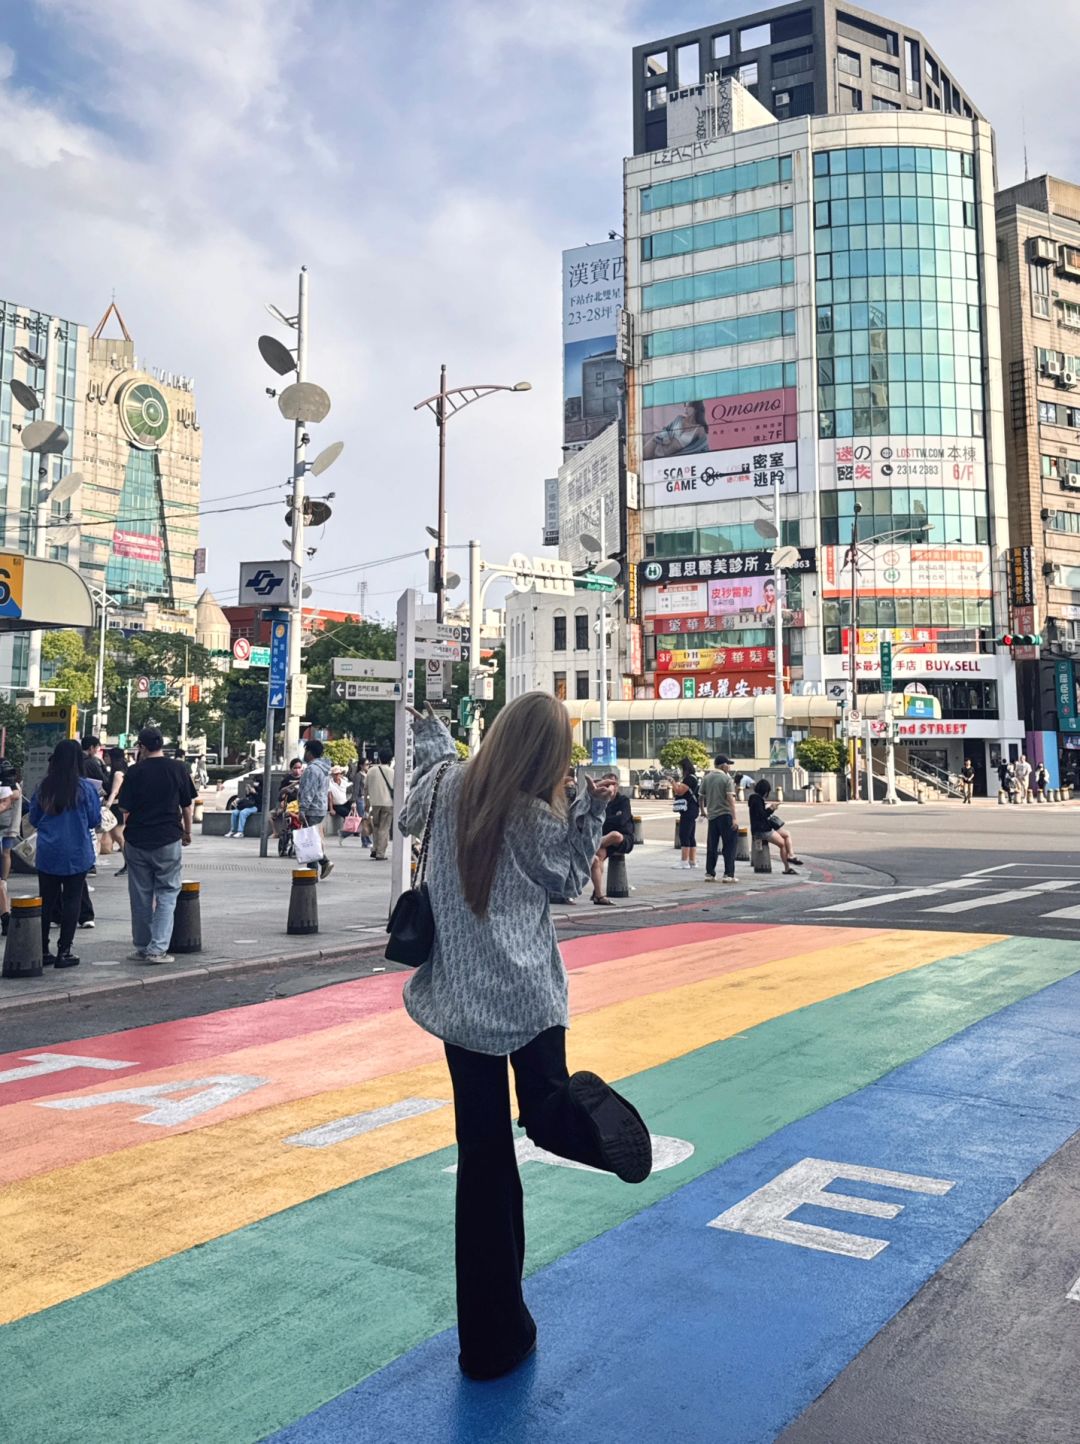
(1023, 132)
(114, 310)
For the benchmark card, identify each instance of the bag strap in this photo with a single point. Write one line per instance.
(421, 862)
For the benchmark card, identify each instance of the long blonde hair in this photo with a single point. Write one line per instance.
(526, 754)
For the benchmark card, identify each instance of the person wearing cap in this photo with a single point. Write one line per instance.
(338, 792)
(718, 799)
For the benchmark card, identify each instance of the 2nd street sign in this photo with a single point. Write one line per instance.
(367, 691)
(438, 651)
(369, 667)
(440, 632)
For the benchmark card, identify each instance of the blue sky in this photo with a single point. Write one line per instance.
(427, 162)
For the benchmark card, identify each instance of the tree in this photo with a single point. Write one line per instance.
(341, 752)
(13, 722)
(68, 669)
(673, 752)
(579, 755)
(820, 754)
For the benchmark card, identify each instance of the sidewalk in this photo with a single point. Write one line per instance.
(245, 903)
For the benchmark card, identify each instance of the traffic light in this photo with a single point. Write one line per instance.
(1017, 639)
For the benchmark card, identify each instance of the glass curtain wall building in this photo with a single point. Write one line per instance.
(850, 358)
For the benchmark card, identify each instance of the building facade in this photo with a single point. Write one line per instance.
(1039, 254)
(812, 58)
(816, 308)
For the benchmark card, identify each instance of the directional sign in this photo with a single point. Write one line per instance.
(440, 632)
(367, 667)
(439, 651)
(367, 691)
(886, 666)
(279, 663)
(260, 656)
(592, 582)
(158, 688)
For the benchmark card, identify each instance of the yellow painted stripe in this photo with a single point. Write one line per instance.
(75, 1229)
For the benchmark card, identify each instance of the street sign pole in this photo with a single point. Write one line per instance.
(890, 723)
(401, 853)
(276, 684)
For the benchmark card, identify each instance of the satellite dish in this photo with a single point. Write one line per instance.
(66, 486)
(32, 358)
(765, 529)
(305, 592)
(784, 558)
(61, 535)
(326, 459)
(452, 581)
(607, 569)
(278, 357)
(45, 437)
(589, 542)
(25, 395)
(303, 401)
(316, 513)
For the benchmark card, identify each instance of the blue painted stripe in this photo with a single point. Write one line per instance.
(666, 1328)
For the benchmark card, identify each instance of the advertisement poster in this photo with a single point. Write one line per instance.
(746, 594)
(705, 685)
(903, 461)
(765, 418)
(716, 659)
(592, 373)
(732, 564)
(721, 476)
(909, 571)
(677, 600)
(138, 547)
(868, 640)
(724, 629)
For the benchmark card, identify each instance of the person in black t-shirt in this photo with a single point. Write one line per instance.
(93, 765)
(157, 795)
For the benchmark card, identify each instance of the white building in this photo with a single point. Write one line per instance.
(553, 645)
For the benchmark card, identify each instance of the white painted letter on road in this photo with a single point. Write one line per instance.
(765, 1213)
(340, 1130)
(213, 1092)
(42, 1063)
(667, 1153)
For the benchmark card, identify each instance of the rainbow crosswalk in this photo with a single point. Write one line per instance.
(229, 1226)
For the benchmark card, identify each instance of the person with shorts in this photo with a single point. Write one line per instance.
(766, 827)
(617, 840)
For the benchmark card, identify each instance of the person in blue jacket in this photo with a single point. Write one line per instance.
(65, 809)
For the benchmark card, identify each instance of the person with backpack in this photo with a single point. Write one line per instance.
(501, 840)
(618, 838)
(65, 809)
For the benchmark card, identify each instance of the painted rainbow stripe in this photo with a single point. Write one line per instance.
(223, 1274)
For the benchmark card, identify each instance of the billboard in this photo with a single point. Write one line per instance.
(903, 461)
(728, 595)
(763, 418)
(551, 511)
(721, 476)
(589, 479)
(717, 659)
(731, 564)
(592, 372)
(710, 684)
(136, 545)
(909, 571)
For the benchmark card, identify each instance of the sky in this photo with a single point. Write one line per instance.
(427, 162)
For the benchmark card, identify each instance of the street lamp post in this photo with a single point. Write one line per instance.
(444, 404)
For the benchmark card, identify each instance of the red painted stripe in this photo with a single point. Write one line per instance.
(580, 952)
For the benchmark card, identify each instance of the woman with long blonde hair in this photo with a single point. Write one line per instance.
(504, 840)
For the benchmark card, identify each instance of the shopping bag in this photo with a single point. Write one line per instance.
(307, 844)
(352, 824)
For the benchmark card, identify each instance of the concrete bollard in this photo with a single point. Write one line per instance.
(22, 954)
(678, 844)
(639, 832)
(197, 812)
(742, 849)
(187, 921)
(303, 904)
(1001, 797)
(779, 794)
(759, 853)
(617, 883)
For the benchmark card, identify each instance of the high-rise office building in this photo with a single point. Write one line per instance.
(816, 307)
(817, 57)
(1038, 228)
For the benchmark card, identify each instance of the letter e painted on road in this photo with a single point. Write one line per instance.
(764, 1214)
(212, 1093)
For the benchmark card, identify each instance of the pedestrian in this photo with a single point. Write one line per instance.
(718, 794)
(768, 828)
(380, 801)
(1042, 782)
(688, 808)
(65, 809)
(288, 795)
(338, 792)
(967, 779)
(314, 796)
(11, 808)
(246, 807)
(1022, 769)
(502, 840)
(114, 780)
(93, 761)
(616, 840)
(157, 794)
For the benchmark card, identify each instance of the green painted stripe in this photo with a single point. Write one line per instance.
(234, 1339)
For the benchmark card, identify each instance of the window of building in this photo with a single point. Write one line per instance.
(886, 76)
(581, 632)
(850, 100)
(712, 285)
(710, 335)
(656, 64)
(721, 47)
(848, 63)
(937, 514)
(713, 235)
(730, 180)
(1064, 521)
(1040, 290)
(792, 61)
(559, 680)
(932, 72)
(558, 626)
(792, 27)
(863, 32)
(1070, 311)
(581, 686)
(879, 103)
(796, 101)
(689, 65)
(736, 382)
(753, 37)
(911, 67)
(655, 98)
(746, 74)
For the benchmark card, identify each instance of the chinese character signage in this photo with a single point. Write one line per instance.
(705, 685)
(1065, 691)
(551, 512)
(733, 564)
(908, 571)
(592, 370)
(717, 659)
(721, 476)
(1021, 577)
(742, 594)
(902, 461)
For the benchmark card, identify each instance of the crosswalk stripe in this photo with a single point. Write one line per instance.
(995, 898)
(1064, 913)
(931, 890)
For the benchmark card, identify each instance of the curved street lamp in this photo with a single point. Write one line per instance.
(442, 405)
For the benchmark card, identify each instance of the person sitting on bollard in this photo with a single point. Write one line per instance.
(618, 838)
(502, 840)
(245, 808)
(65, 809)
(1041, 782)
(767, 827)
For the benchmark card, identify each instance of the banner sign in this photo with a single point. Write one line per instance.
(909, 571)
(593, 278)
(938, 665)
(868, 640)
(551, 511)
(717, 659)
(1065, 691)
(721, 476)
(734, 564)
(764, 418)
(748, 594)
(704, 685)
(1021, 575)
(136, 546)
(903, 461)
(677, 600)
(719, 627)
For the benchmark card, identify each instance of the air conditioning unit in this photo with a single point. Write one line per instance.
(1069, 262)
(1071, 480)
(1052, 368)
(1042, 251)
(783, 97)
(1068, 645)
(1067, 380)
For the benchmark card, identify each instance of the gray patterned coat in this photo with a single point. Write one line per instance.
(492, 984)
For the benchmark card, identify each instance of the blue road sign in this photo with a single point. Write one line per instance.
(605, 752)
(279, 662)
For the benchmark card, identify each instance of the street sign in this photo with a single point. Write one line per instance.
(158, 687)
(886, 666)
(438, 651)
(367, 691)
(435, 680)
(279, 663)
(854, 718)
(427, 631)
(260, 656)
(269, 584)
(142, 686)
(593, 582)
(11, 584)
(605, 752)
(367, 667)
(241, 649)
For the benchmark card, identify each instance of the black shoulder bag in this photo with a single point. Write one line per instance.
(412, 922)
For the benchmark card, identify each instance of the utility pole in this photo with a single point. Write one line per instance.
(778, 616)
(603, 629)
(295, 700)
(476, 605)
(440, 546)
(853, 692)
